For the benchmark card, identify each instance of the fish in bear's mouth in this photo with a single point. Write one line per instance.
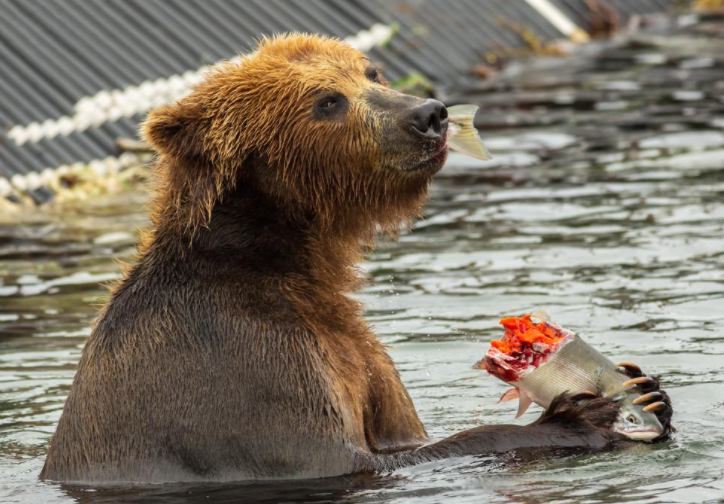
(460, 135)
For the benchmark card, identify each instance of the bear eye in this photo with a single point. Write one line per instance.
(372, 74)
(330, 103)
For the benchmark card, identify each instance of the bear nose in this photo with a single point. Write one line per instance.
(429, 119)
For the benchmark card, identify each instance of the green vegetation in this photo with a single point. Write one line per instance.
(415, 84)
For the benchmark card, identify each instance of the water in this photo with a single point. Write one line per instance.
(604, 204)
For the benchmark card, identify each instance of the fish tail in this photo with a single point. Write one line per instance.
(463, 136)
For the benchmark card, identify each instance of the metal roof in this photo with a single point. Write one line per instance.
(78, 74)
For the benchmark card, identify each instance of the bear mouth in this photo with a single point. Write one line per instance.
(434, 163)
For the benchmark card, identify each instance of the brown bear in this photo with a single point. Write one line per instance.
(231, 349)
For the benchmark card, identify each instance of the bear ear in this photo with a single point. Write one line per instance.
(174, 129)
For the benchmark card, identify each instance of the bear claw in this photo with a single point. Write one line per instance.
(657, 406)
(641, 380)
(651, 396)
(630, 369)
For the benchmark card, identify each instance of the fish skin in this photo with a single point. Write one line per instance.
(575, 366)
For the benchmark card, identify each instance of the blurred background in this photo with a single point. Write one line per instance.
(603, 203)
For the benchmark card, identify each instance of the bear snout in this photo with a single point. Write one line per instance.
(429, 120)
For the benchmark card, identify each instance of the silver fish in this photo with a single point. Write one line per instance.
(461, 133)
(575, 366)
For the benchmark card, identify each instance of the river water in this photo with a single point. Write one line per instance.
(604, 204)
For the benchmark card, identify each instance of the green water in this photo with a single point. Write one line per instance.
(604, 204)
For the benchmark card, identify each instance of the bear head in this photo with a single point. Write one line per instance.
(309, 124)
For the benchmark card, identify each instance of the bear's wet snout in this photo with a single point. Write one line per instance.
(429, 119)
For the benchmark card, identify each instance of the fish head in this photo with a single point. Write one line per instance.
(637, 424)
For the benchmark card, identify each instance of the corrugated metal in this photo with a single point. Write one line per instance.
(55, 55)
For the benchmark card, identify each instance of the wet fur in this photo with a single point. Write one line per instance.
(567, 410)
(231, 349)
